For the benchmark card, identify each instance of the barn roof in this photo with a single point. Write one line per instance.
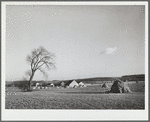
(68, 82)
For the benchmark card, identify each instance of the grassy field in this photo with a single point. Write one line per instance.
(91, 97)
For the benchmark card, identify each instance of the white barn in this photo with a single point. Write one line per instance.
(73, 84)
(52, 85)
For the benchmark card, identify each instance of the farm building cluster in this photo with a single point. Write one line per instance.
(69, 84)
(118, 86)
(112, 85)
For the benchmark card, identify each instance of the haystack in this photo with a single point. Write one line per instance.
(105, 85)
(81, 84)
(120, 87)
(62, 84)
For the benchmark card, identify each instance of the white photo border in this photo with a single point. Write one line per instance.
(65, 115)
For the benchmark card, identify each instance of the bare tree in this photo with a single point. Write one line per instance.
(39, 58)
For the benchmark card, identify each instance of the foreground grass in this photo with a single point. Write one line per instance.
(80, 98)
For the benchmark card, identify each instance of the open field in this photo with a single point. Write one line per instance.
(91, 97)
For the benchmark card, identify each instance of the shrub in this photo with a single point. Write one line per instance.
(21, 84)
(137, 87)
(8, 85)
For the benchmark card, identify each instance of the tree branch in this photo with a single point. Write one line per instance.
(44, 73)
(40, 66)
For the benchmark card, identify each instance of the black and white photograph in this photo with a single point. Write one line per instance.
(75, 60)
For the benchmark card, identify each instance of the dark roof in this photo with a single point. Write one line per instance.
(68, 82)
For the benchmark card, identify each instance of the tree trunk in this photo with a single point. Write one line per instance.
(30, 80)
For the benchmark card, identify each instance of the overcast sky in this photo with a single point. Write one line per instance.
(88, 41)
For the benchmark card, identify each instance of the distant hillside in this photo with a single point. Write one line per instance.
(139, 77)
(97, 80)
